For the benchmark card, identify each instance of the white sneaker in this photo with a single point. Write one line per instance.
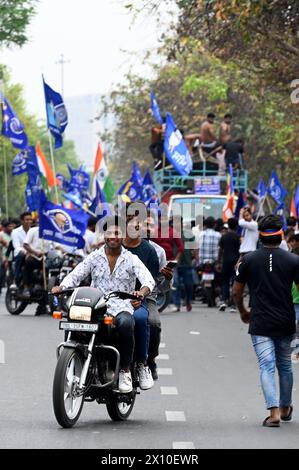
(146, 380)
(125, 382)
(222, 307)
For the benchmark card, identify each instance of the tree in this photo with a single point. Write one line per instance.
(15, 15)
(35, 132)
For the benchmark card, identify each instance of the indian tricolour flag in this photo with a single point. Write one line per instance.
(101, 174)
(44, 167)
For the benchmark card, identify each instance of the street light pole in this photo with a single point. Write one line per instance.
(62, 61)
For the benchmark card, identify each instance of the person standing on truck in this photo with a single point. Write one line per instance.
(157, 146)
(208, 134)
(225, 129)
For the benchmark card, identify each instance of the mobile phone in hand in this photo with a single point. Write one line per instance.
(172, 264)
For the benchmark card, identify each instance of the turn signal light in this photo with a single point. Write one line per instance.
(57, 315)
(108, 321)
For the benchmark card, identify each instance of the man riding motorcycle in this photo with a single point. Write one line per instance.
(113, 268)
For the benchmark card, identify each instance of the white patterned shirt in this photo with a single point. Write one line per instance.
(128, 268)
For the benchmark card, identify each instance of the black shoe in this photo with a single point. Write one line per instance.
(153, 368)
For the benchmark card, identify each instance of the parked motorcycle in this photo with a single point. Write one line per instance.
(89, 361)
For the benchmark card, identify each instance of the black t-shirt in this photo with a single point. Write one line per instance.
(230, 245)
(270, 273)
(147, 254)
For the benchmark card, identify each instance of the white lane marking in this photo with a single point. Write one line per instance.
(169, 391)
(183, 445)
(165, 371)
(162, 345)
(163, 357)
(194, 333)
(175, 416)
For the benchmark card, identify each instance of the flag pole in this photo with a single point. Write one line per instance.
(53, 163)
(2, 88)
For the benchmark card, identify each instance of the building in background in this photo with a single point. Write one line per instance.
(85, 125)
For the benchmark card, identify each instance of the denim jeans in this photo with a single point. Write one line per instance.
(183, 276)
(297, 312)
(275, 353)
(142, 333)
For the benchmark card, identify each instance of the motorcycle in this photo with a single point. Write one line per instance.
(88, 360)
(14, 301)
(69, 263)
(207, 281)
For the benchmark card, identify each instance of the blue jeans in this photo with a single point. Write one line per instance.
(297, 312)
(275, 353)
(142, 333)
(184, 276)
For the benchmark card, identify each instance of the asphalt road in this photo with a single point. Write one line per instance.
(208, 394)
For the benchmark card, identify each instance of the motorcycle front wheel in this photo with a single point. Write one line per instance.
(67, 405)
(119, 411)
(13, 304)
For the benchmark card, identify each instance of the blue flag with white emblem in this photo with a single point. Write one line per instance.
(148, 191)
(56, 114)
(79, 179)
(20, 162)
(261, 189)
(61, 225)
(275, 189)
(176, 148)
(156, 109)
(12, 128)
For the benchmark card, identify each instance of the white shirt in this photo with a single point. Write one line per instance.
(284, 246)
(250, 235)
(90, 240)
(36, 243)
(161, 253)
(128, 268)
(18, 236)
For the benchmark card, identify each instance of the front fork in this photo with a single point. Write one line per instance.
(87, 363)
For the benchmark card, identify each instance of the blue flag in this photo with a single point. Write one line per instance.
(20, 162)
(156, 109)
(56, 114)
(99, 205)
(75, 197)
(176, 149)
(136, 175)
(275, 189)
(61, 225)
(79, 179)
(34, 188)
(148, 191)
(12, 126)
(261, 189)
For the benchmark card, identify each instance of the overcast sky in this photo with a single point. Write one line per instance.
(90, 34)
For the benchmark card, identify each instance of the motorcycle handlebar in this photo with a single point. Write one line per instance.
(119, 294)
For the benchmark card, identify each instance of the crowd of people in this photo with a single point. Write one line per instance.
(220, 148)
(145, 253)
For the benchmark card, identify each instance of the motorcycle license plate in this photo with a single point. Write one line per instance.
(87, 327)
(208, 277)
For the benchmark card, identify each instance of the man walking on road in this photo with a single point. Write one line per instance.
(270, 273)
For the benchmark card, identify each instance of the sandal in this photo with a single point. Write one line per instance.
(271, 424)
(290, 415)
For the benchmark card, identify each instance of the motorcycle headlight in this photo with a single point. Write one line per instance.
(81, 313)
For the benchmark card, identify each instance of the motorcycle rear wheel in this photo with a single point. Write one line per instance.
(13, 305)
(119, 411)
(67, 407)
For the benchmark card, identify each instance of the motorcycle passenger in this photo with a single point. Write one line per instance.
(113, 268)
(147, 254)
(162, 285)
(18, 236)
(35, 248)
(5, 241)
